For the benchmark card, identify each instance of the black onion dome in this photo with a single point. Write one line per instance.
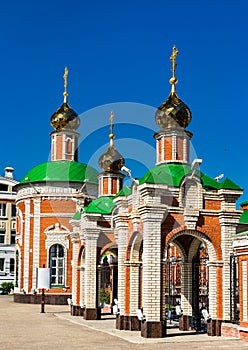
(111, 160)
(171, 111)
(65, 118)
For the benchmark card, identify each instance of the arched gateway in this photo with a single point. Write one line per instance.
(174, 205)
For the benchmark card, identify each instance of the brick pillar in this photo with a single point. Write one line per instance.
(91, 290)
(186, 296)
(26, 246)
(36, 241)
(75, 252)
(212, 290)
(152, 216)
(228, 222)
(121, 233)
(134, 294)
(229, 218)
(82, 286)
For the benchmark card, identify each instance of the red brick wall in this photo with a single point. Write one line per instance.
(179, 148)
(229, 331)
(114, 185)
(168, 148)
(212, 205)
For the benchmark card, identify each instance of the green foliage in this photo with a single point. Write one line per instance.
(6, 287)
(104, 296)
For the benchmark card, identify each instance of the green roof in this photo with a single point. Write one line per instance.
(173, 173)
(61, 171)
(170, 174)
(102, 205)
(208, 182)
(245, 233)
(77, 216)
(229, 184)
(244, 217)
(125, 191)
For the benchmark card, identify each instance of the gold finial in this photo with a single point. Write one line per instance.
(173, 79)
(65, 84)
(111, 135)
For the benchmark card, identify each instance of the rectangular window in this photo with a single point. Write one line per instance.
(12, 266)
(2, 236)
(3, 209)
(3, 188)
(13, 210)
(13, 235)
(1, 264)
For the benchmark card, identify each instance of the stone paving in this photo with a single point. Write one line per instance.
(23, 326)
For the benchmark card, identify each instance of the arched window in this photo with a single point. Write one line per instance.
(57, 265)
(69, 146)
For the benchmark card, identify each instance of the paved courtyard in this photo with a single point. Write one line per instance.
(22, 326)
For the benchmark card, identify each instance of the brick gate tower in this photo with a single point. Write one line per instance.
(174, 204)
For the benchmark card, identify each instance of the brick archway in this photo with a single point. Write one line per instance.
(214, 267)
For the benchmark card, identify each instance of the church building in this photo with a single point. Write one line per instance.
(168, 238)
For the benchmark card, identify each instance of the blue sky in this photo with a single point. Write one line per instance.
(119, 52)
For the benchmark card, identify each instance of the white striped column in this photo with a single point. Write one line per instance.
(244, 290)
(151, 289)
(91, 269)
(186, 289)
(122, 233)
(134, 287)
(75, 251)
(36, 241)
(26, 245)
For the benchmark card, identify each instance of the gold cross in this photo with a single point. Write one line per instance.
(173, 60)
(65, 82)
(111, 118)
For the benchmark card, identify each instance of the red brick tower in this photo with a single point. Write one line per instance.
(46, 201)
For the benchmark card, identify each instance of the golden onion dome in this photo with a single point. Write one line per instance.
(111, 160)
(173, 112)
(65, 118)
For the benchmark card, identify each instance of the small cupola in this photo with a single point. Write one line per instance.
(65, 122)
(111, 162)
(172, 117)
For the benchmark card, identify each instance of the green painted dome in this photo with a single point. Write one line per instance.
(61, 171)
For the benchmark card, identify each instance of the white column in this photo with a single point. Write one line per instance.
(82, 285)
(91, 268)
(75, 251)
(36, 241)
(151, 217)
(174, 147)
(134, 287)
(63, 146)
(212, 290)
(186, 288)
(244, 290)
(26, 245)
(122, 234)
(228, 221)
(185, 150)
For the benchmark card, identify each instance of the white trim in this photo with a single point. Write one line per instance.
(36, 241)
(174, 147)
(244, 288)
(26, 246)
